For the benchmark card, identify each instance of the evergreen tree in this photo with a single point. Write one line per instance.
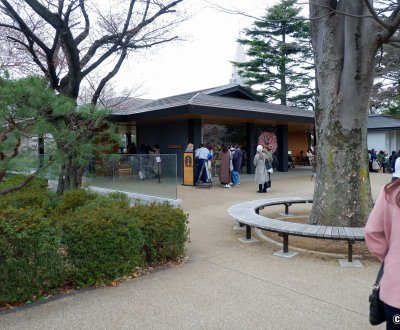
(281, 59)
(386, 89)
(29, 108)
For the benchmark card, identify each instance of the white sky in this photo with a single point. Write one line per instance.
(198, 63)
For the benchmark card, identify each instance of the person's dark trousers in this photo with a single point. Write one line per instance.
(392, 315)
(200, 164)
(265, 186)
(269, 181)
(260, 188)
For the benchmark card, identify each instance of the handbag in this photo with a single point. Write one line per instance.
(268, 166)
(376, 311)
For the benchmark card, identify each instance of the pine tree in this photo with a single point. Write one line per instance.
(281, 60)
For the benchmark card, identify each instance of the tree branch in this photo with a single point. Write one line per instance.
(118, 37)
(24, 28)
(109, 76)
(83, 35)
(375, 16)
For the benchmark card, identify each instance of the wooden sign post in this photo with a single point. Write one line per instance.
(188, 169)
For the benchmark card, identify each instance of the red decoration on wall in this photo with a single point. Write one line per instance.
(268, 139)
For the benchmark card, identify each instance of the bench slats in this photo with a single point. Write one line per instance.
(335, 232)
(342, 232)
(245, 213)
(328, 231)
(321, 231)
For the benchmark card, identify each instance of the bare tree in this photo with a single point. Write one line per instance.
(68, 40)
(346, 36)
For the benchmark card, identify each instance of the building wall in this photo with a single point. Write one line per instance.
(171, 137)
(297, 142)
(377, 141)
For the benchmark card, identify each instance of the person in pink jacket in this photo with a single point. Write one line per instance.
(382, 236)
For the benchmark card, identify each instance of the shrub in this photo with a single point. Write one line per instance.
(102, 243)
(30, 262)
(73, 199)
(80, 238)
(165, 231)
(35, 195)
(115, 200)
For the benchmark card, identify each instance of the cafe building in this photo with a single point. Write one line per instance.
(224, 115)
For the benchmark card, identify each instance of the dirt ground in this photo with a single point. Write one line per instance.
(299, 213)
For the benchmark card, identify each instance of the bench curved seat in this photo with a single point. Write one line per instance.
(246, 213)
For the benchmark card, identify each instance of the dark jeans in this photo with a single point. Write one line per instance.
(392, 315)
(201, 166)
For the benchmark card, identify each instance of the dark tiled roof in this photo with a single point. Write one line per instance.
(121, 105)
(381, 122)
(253, 106)
(212, 98)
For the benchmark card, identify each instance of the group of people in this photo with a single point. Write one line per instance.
(231, 160)
(306, 158)
(383, 162)
(380, 161)
(230, 164)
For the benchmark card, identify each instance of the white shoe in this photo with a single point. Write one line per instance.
(227, 186)
(269, 189)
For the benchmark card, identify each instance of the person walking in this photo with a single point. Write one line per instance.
(382, 236)
(225, 172)
(261, 171)
(236, 163)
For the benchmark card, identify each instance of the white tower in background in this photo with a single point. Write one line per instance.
(240, 56)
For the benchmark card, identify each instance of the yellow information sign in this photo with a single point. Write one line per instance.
(188, 169)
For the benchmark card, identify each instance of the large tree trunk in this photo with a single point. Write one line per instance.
(345, 47)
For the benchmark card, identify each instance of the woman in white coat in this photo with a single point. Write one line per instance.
(261, 174)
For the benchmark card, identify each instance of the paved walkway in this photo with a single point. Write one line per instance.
(225, 284)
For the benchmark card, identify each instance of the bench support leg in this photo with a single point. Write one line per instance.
(350, 250)
(287, 207)
(350, 262)
(248, 238)
(285, 243)
(285, 249)
(248, 232)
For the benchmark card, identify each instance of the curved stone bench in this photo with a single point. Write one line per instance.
(247, 214)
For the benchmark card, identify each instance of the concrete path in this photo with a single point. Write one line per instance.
(225, 284)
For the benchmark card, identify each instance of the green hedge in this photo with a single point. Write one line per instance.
(102, 244)
(165, 231)
(80, 239)
(30, 263)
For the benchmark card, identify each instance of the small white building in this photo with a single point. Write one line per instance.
(383, 133)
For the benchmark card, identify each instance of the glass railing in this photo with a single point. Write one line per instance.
(154, 175)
